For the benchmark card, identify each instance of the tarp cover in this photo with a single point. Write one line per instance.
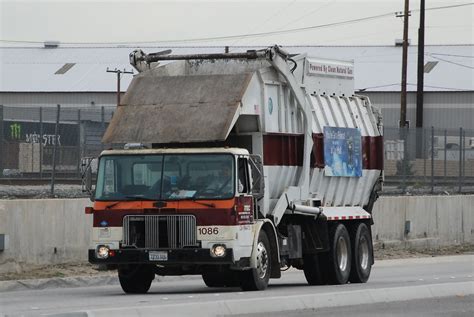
(177, 109)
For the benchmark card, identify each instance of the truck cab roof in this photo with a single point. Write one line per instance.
(209, 150)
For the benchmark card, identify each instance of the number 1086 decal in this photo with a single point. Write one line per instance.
(208, 230)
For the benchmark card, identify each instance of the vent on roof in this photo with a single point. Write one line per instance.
(51, 44)
(399, 42)
(64, 68)
(429, 67)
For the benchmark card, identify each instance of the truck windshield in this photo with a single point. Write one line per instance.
(165, 177)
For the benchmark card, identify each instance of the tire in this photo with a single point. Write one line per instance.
(257, 279)
(220, 279)
(362, 254)
(315, 269)
(136, 279)
(339, 257)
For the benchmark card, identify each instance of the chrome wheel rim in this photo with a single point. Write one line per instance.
(262, 260)
(364, 253)
(342, 253)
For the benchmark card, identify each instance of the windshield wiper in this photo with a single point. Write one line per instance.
(131, 198)
(140, 197)
(193, 199)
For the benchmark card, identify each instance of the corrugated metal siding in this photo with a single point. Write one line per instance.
(65, 99)
(49, 114)
(445, 110)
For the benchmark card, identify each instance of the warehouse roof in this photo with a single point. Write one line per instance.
(83, 69)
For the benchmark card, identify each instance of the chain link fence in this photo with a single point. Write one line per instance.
(428, 160)
(40, 143)
(35, 141)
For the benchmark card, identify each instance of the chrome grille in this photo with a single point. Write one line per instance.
(159, 231)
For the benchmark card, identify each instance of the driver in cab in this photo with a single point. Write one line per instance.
(222, 182)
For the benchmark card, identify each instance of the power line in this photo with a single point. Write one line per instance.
(308, 14)
(451, 62)
(219, 38)
(452, 55)
(241, 36)
(410, 84)
(275, 14)
(446, 7)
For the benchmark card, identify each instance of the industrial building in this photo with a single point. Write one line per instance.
(77, 77)
(34, 78)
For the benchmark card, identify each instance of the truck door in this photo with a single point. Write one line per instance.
(245, 200)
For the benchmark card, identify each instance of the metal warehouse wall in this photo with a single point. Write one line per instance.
(66, 99)
(445, 110)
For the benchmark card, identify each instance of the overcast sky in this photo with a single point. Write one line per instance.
(176, 21)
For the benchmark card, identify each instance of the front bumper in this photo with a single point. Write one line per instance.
(175, 256)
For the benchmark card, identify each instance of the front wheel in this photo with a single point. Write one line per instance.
(136, 279)
(257, 279)
(362, 255)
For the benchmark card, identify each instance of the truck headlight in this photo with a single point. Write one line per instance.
(218, 250)
(102, 252)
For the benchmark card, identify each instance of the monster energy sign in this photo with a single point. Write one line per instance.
(29, 132)
(15, 131)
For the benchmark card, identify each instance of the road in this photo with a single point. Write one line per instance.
(419, 280)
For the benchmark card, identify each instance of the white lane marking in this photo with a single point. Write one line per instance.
(420, 279)
(165, 298)
(436, 278)
(470, 276)
(190, 296)
(217, 294)
(452, 277)
(34, 308)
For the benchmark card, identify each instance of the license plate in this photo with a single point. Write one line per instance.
(158, 255)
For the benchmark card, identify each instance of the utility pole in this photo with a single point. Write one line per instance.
(421, 63)
(119, 74)
(420, 80)
(403, 98)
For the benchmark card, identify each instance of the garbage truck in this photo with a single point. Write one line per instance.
(237, 167)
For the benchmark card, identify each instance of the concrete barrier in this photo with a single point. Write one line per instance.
(43, 231)
(424, 221)
(55, 231)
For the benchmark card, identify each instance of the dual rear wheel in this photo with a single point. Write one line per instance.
(350, 257)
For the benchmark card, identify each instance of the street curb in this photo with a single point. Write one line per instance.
(70, 282)
(57, 282)
(313, 301)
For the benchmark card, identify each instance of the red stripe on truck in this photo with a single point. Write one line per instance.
(286, 149)
(204, 217)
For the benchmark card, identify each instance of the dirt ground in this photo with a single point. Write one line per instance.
(85, 269)
(40, 191)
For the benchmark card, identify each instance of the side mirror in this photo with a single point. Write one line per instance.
(88, 173)
(258, 181)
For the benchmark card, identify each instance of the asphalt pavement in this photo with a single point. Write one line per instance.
(418, 281)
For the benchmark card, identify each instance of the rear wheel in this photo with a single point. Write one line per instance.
(257, 279)
(362, 255)
(339, 257)
(136, 279)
